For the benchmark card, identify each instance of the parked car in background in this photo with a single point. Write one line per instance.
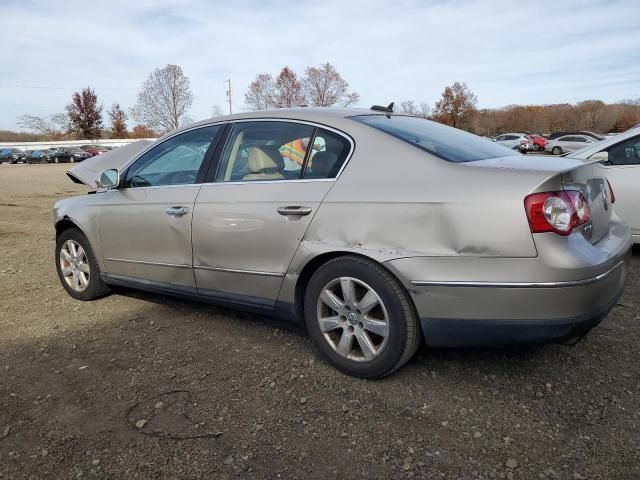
(12, 155)
(593, 135)
(70, 155)
(537, 142)
(568, 143)
(97, 150)
(40, 156)
(464, 242)
(515, 141)
(620, 163)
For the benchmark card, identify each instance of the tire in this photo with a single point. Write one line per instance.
(536, 147)
(556, 151)
(93, 287)
(391, 303)
(56, 160)
(43, 161)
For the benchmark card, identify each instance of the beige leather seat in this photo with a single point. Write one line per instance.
(263, 166)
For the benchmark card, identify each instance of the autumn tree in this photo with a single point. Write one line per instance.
(85, 115)
(456, 107)
(142, 131)
(288, 90)
(53, 127)
(261, 93)
(118, 121)
(164, 99)
(323, 86)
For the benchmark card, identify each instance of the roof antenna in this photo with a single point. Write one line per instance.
(379, 108)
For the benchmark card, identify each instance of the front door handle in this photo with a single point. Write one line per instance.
(177, 211)
(296, 211)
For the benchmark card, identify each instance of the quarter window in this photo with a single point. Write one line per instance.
(175, 161)
(328, 154)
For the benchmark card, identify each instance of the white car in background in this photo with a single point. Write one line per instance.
(568, 143)
(516, 141)
(620, 162)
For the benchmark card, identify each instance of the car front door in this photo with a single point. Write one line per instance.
(254, 210)
(623, 172)
(144, 226)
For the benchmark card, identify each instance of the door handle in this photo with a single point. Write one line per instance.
(177, 211)
(297, 211)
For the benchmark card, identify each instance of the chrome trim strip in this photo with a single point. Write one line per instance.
(570, 283)
(235, 270)
(141, 262)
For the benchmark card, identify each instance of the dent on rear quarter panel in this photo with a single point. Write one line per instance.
(394, 200)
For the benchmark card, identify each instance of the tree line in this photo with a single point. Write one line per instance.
(163, 102)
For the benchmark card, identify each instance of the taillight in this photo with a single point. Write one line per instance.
(558, 212)
(612, 196)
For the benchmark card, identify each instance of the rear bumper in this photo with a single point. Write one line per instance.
(491, 301)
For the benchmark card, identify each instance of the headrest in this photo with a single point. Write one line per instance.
(260, 161)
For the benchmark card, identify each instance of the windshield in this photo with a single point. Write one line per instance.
(440, 140)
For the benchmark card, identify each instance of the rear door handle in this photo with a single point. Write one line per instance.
(177, 211)
(297, 211)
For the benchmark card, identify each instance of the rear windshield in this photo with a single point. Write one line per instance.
(440, 140)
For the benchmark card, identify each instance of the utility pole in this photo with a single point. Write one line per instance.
(228, 82)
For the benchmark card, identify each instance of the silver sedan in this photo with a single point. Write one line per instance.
(374, 230)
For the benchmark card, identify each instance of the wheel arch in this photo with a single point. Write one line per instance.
(318, 261)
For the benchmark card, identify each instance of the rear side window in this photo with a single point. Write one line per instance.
(328, 153)
(440, 140)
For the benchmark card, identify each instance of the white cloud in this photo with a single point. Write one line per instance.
(535, 52)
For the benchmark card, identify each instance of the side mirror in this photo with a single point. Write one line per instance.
(109, 179)
(601, 156)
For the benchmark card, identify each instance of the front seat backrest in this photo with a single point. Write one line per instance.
(262, 166)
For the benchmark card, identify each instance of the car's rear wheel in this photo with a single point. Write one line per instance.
(56, 160)
(556, 150)
(536, 147)
(77, 266)
(360, 317)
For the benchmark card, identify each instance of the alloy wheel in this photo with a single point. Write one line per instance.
(353, 319)
(74, 266)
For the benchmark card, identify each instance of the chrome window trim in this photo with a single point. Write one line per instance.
(563, 284)
(241, 182)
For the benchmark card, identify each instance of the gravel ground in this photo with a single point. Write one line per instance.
(144, 386)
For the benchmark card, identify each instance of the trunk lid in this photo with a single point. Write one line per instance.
(90, 169)
(595, 190)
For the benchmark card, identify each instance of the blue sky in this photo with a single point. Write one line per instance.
(507, 52)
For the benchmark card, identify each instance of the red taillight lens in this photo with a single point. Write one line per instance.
(612, 195)
(558, 212)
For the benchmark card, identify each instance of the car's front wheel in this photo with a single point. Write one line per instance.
(77, 266)
(360, 317)
(556, 150)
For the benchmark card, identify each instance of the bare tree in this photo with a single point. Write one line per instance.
(216, 111)
(323, 86)
(85, 114)
(261, 93)
(424, 110)
(288, 90)
(164, 99)
(457, 106)
(409, 106)
(118, 121)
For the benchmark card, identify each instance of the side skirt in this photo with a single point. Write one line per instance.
(229, 300)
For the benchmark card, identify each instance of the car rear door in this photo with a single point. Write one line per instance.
(144, 226)
(623, 172)
(261, 195)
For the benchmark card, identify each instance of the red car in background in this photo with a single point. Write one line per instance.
(538, 142)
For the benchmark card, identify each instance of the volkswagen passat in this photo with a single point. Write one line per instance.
(375, 230)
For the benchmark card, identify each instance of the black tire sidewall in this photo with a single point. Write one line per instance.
(387, 361)
(96, 288)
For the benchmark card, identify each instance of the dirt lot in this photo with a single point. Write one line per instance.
(231, 395)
